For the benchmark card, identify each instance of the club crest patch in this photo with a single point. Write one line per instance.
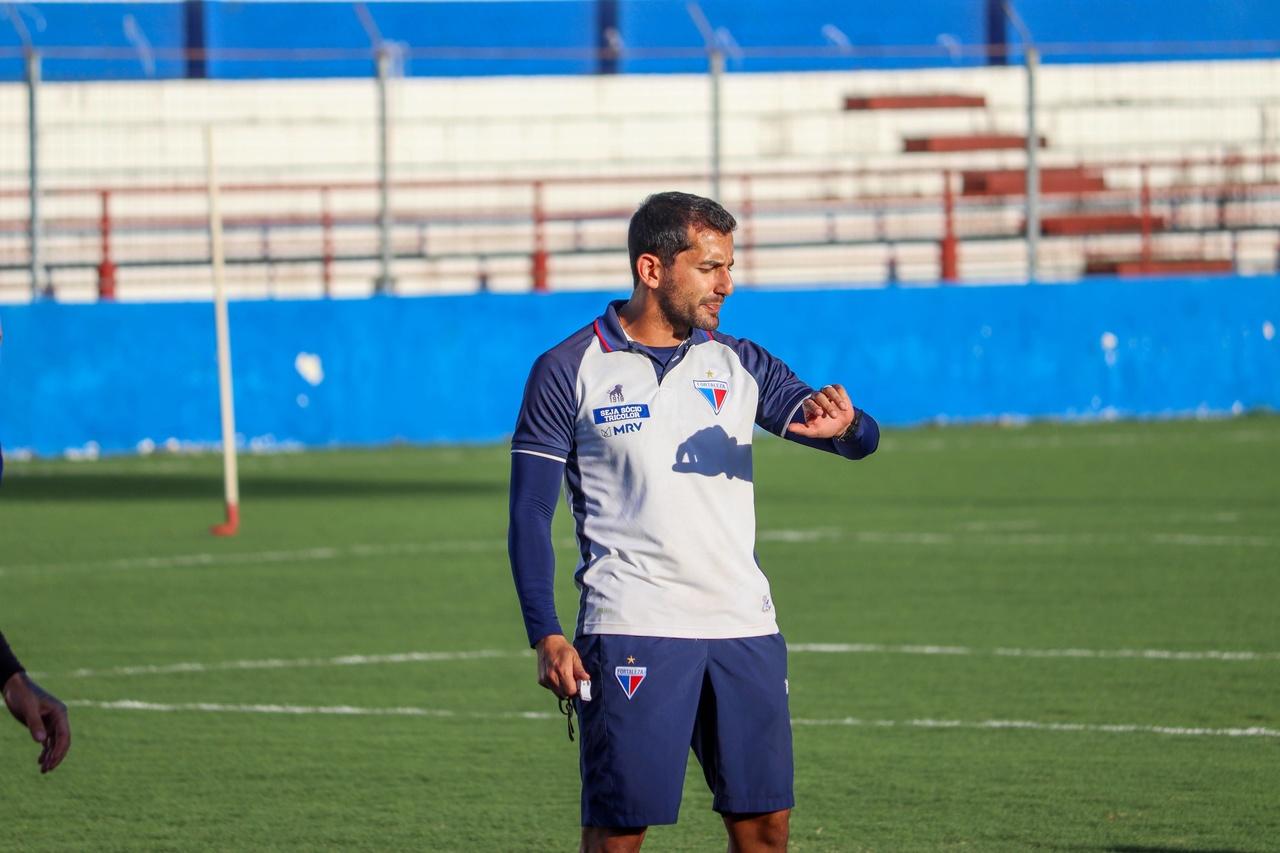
(714, 391)
(630, 678)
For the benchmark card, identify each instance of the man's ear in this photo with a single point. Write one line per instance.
(649, 270)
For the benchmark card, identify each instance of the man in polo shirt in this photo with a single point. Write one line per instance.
(646, 415)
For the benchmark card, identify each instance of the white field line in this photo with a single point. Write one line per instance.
(795, 648)
(307, 710)
(800, 536)
(1005, 441)
(1101, 654)
(438, 713)
(1030, 725)
(1211, 540)
(303, 555)
(298, 663)
(1053, 539)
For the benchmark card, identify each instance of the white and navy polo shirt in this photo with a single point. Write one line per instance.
(658, 475)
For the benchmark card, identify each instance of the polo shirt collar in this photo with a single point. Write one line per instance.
(612, 338)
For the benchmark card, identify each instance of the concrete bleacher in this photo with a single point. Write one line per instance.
(318, 132)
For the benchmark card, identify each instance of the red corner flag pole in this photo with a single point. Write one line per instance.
(230, 478)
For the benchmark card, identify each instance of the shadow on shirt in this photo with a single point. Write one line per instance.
(711, 452)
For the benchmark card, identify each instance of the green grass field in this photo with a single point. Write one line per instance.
(959, 578)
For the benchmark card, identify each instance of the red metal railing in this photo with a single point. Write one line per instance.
(775, 208)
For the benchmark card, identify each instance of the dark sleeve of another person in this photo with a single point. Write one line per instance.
(8, 663)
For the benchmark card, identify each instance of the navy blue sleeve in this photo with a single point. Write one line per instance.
(535, 487)
(781, 394)
(863, 442)
(780, 390)
(547, 412)
(8, 663)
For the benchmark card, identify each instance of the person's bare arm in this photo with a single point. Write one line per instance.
(43, 715)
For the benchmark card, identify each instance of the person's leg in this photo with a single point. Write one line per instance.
(612, 839)
(743, 740)
(758, 833)
(634, 745)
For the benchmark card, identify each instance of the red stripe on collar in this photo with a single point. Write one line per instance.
(600, 335)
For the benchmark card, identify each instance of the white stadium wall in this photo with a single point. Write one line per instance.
(524, 125)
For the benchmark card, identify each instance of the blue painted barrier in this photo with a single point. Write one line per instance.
(567, 31)
(507, 32)
(1092, 31)
(133, 41)
(446, 369)
(868, 25)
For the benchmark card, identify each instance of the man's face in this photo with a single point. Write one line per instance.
(696, 284)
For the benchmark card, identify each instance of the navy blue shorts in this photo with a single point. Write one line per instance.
(653, 698)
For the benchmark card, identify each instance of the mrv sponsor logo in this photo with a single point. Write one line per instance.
(620, 429)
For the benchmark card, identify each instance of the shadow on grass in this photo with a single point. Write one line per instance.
(163, 487)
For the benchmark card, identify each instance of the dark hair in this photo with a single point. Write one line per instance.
(660, 226)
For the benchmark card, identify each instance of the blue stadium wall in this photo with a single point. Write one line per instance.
(329, 37)
(452, 369)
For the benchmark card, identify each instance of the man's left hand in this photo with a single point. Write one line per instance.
(43, 715)
(827, 413)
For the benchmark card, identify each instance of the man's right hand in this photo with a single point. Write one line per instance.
(559, 667)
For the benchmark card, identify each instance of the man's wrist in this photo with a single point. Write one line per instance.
(550, 638)
(852, 429)
(13, 680)
(9, 664)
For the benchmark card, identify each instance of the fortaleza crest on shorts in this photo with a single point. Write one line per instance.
(630, 677)
(714, 390)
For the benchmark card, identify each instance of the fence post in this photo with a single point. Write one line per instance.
(1145, 200)
(716, 59)
(326, 242)
(1032, 57)
(539, 259)
(715, 66)
(106, 269)
(748, 231)
(385, 283)
(949, 260)
(35, 232)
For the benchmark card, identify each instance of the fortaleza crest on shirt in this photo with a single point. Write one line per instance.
(714, 390)
(630, 677)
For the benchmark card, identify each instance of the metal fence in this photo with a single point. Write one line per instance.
(976, 172)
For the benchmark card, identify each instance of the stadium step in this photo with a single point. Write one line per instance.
(1076, 224)
(916, 101)
(966, 142)
(1130, 265)
(1073, 179)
